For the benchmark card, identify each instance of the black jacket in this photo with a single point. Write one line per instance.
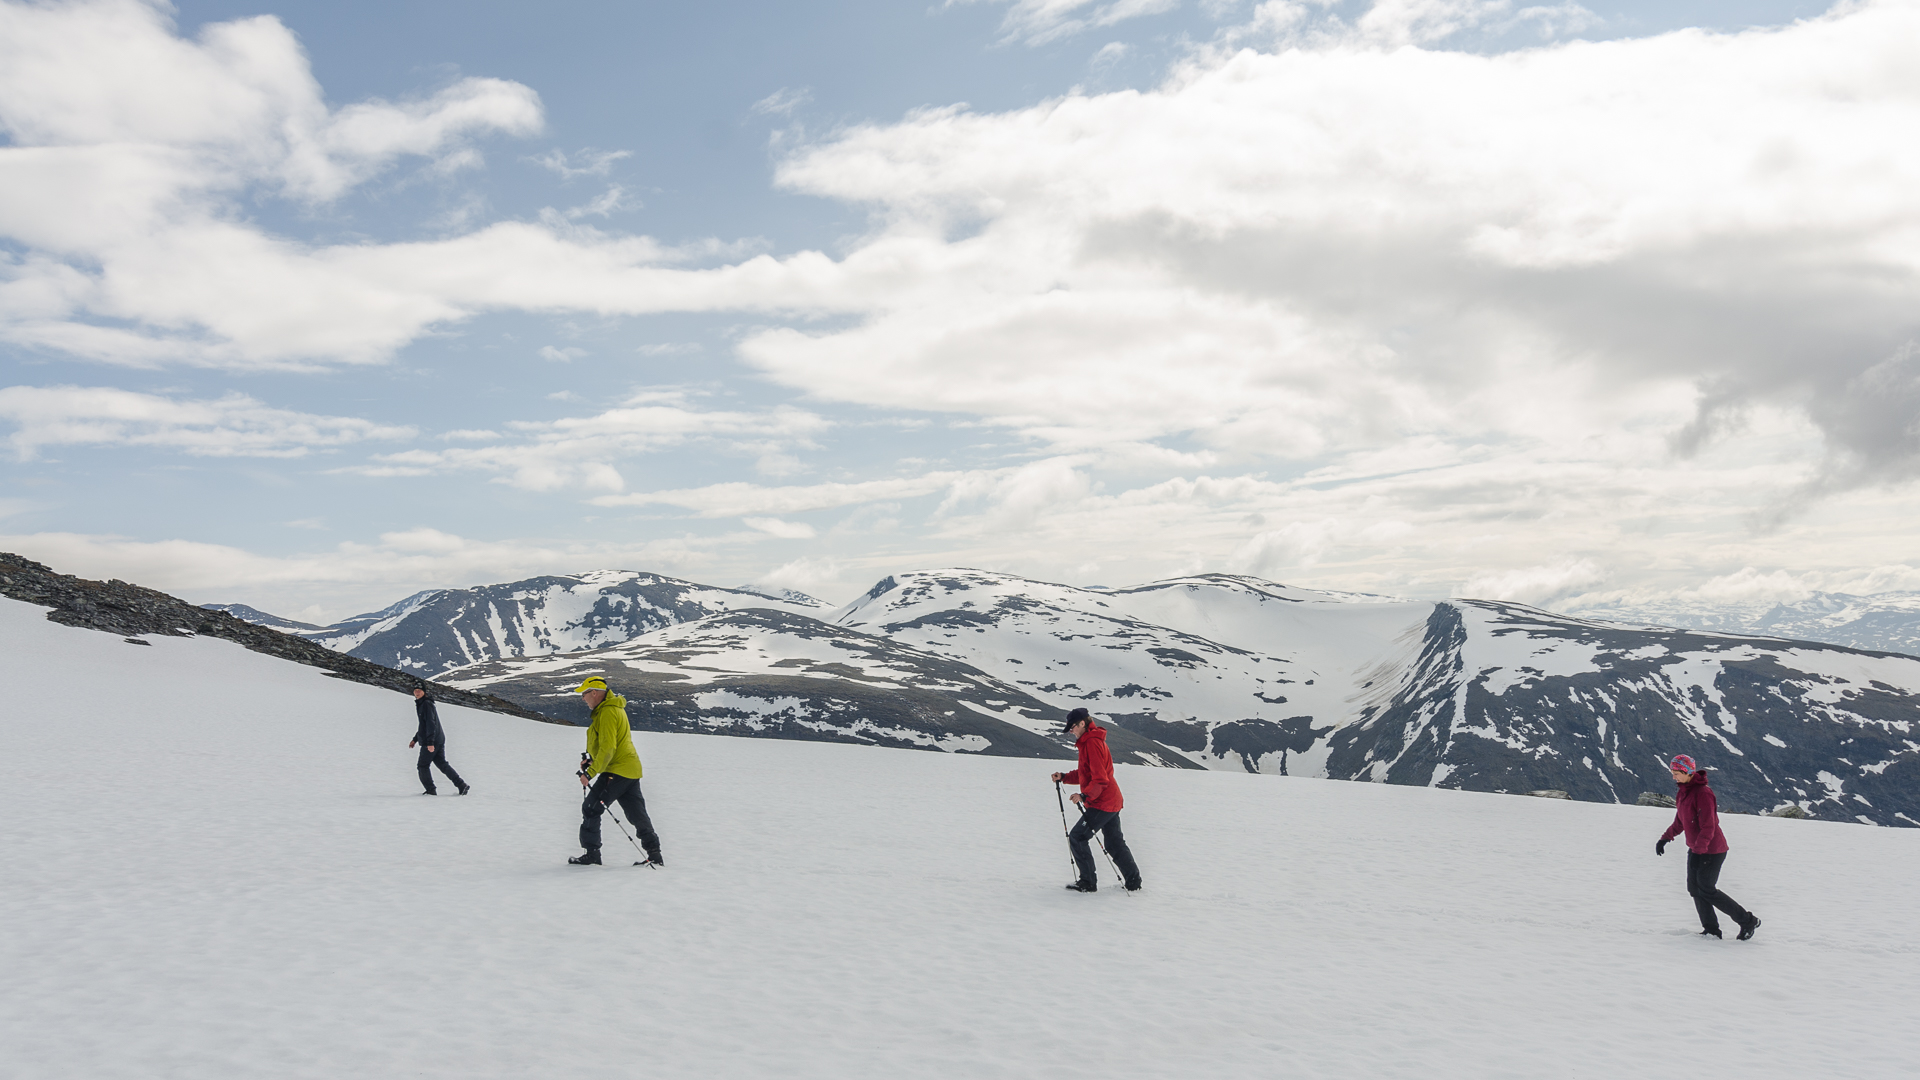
(429, 733)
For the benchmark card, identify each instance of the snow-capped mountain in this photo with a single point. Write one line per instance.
(262, 618)
(441, 629)
(1506, 697)
(780, 674)
(1879, 622)
(1243, 674)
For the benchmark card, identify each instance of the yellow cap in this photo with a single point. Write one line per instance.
(595, 683)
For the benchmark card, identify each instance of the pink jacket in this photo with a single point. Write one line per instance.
(1697, 813)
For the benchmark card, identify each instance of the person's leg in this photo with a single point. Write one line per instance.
(1082, 850)
(1741, 916)
(634, 805)
(1703, 872)
(426, 778)
(591, 808)
(1122, 855)
(440, 761)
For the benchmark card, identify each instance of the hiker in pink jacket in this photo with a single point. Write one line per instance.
(1696, 813)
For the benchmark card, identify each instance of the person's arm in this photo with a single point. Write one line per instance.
(1707, 819)
(600, 746)
(1099, 772)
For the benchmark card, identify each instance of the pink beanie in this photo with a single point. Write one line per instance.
(1683, 763)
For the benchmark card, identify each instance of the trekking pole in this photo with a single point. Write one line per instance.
(1057, 797)
(611, 816)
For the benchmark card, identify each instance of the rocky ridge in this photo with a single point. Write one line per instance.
(133, 612)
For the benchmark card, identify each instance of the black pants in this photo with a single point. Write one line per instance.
(437, 757)
(1703, 884)
(1107, 824)
(608, 789)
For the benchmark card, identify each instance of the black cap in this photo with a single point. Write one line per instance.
(1073, 718)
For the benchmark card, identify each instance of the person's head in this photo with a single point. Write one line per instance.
(1683, 768)
(419, 692)
(1077, 723)
(594, 691)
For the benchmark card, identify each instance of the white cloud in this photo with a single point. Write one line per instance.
(134, 150)
(1037, 22)
(351, 577)
(231, 426)
(585, 163)
(807, 575)
(736, 499)
(783, 102)
(1402, 314)
(1340, 247)
(557, 355)
(786, 530)
(1535, 585)
(585, 452)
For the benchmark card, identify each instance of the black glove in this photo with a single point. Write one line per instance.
(1660, 846)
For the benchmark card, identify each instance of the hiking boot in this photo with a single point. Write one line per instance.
(1084, 886)
(1747, 928)
(654, 859)
(464, 788)
(429, 791)
(1133, 886)
(1714, 934)
(590, 857)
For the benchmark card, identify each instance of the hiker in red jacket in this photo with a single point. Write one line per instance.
(1099, 802)
(1696, 813)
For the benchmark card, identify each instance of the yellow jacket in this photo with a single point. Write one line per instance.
(610, 740)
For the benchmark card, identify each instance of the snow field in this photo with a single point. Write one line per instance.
(217, 866)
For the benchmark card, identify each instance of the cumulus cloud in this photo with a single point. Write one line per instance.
(1344, 246)
(231, 426)
(133, 149)
(1397, 316)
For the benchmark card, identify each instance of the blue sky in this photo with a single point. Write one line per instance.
(312, 306)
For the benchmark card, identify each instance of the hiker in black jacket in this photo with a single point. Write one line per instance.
(432, 742)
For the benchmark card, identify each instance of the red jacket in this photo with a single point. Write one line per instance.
(1098, 789)
(1697, 812)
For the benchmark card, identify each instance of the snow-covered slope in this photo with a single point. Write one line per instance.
(1880, 622)
(433, 631)
(269, 898)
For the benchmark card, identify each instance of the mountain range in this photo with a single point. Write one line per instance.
(1879, 622)
(1210, 671)
(435, 631)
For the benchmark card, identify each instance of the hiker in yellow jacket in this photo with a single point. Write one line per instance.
(613, 767)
